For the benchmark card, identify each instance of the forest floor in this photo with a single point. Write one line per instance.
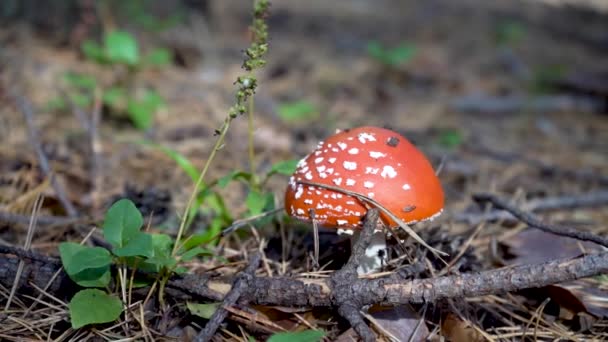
(509, 98)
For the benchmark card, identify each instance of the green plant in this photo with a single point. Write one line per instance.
(132, 248)
(510, 33)
(391, 56)
(297, 336)
(246, 89)
(120, 51)
(450, 138)
(298, 111)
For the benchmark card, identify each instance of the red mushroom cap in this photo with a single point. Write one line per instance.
(372, 161)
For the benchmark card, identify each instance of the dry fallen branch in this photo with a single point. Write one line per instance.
(538, 224)
(243, 279)
(285, 291)
(586, 200)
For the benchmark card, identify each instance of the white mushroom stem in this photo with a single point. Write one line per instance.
(375, 254)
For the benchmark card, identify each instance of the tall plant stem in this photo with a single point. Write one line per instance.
(199, 182)
(250, 115)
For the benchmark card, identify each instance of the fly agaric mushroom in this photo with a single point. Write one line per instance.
(371, 161)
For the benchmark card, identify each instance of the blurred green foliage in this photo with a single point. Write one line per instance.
(391, 56)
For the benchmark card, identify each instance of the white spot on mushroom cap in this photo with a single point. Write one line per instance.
(351, 166)
(300, 211)
(363, 137)
(337, 181)
(308, 201)
(331, 160)
(368, 184)
(342, 145)
(353, 150)
(370, 194)
(318, 160)
(321, 168)
(299, 192)
(389, 171)
(308, 175)
(350, 182)
(371, 170)
(406, 186)
(376, 155)
(342, 222)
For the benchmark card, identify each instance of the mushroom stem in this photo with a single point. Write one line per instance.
(375, 253)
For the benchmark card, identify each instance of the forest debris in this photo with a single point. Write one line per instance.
(455, 329)
(533, 246)
(243, 280)
(400, 322)
(534, 222)
(590, 199)
(498, 105)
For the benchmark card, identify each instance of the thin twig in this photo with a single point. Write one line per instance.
(26, 247)
(315, 228)
(534, 222)
(591, 199)
(26, 109)
(42, 220)
(241, 283)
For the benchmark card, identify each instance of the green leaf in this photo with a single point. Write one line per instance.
(158, 57)
(451, 138)
(195, 240)
(138, 245)
(205, 310)
(141, 111)
(178, 158)
(286, 167)
(298, 110)
(510, 33)
(122, 223)
(391, 57)
(196, 251)
(258, 201)
(234, 175)
(81, 100)
(162, 244)
(56, 103)
(121, 47)
(93, 51)
(81, 81)
(92, 306)
(115, 97)
(86, 266)
(401, 54)
(299, 336)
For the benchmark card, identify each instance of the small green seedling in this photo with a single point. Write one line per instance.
(451, 138)
(298, 111)
(391, 56)
(120, 51)
(90, 267)
(298, 336)
(510, 33)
